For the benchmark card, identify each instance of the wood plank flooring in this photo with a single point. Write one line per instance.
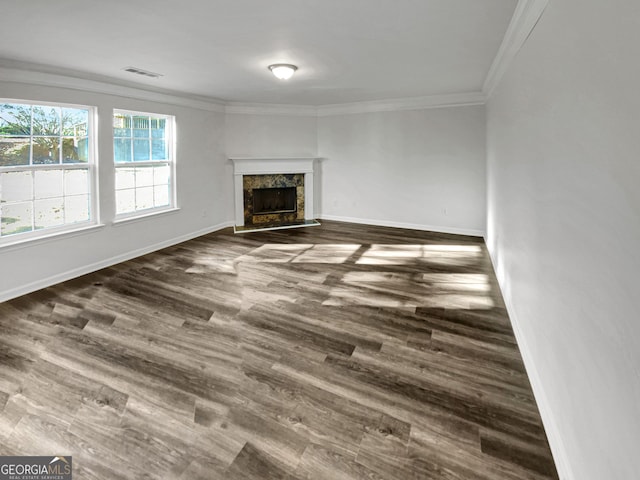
(336, 352)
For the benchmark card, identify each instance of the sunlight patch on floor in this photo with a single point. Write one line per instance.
(462, 282)
(301, 253)
(379, 254)
(327, 254)
(343, 297)
(378, 288)
(209, 264)
(275, 253)
(396, 289)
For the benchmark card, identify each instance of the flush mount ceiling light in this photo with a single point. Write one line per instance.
(283, 71)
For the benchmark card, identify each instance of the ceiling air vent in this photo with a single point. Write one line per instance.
(139, 71)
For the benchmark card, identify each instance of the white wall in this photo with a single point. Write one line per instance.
(203, 186)
(564, 227)
(264, 135)
(415, 168)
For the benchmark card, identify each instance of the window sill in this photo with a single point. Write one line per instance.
(33, 241)
(145, 216)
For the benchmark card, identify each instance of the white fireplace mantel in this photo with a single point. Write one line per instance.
(272, 165)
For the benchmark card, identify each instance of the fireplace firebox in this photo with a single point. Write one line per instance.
(274, 200)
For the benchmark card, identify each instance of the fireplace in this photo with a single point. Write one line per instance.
(273, 193)
(273, 199)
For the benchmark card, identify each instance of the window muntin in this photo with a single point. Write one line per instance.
(46, 169)
(143, 157)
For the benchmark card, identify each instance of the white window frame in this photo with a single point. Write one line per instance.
(171, 162)
(92, 170)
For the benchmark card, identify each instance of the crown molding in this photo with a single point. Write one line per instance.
(13, 73)
(397, 104)
(391, 105)
(524, 20)
(270, 109)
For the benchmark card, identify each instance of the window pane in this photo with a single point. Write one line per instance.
(40, 193)
(76, 208)
(141, 122)
(161, 175)
(83, 149)
(75, 150)
(161, 195)
(122, 150)
(144, 198)
(143, 187)
(158, 123)
(76, 182)
(144, 176)
(125, 201)
(125, 178)
(46, 150)
(15, 186)
(121, 125)
(159, 150)
(15, 218)
(48, 184)
(141, 150)
(15, 119)
(75, 122)
(46, 120)
(14, 151)
(49, 212)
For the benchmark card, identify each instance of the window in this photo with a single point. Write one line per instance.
(46, 169)
(143, 157)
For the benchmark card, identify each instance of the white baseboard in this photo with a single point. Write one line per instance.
(85, 269)
(556, 443)
(409, 226)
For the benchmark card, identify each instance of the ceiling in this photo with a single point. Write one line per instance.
(346, 50)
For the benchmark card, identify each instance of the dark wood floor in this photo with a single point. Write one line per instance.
(334, 352)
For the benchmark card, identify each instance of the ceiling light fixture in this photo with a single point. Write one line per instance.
(283, 71)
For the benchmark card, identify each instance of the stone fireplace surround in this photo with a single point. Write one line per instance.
(253, 183)
(267, 172)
